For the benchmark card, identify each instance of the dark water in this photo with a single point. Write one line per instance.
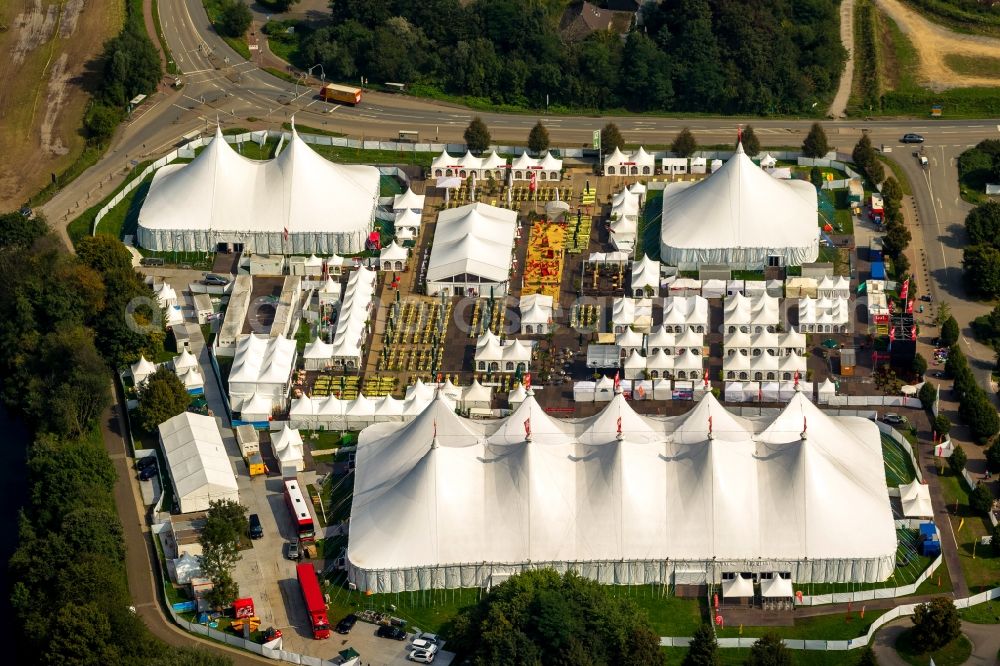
(13, 489)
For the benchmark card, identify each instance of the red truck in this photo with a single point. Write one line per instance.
(313, 597)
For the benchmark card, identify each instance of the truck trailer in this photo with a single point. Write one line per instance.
(312, 595)
(332, 92)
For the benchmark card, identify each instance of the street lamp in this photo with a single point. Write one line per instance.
(322, 72)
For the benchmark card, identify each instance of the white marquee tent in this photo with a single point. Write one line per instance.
(916, 499)
(141, 370)
(288, 447)
(263, 366)
(200, 470)
(639, 163)
(446, 502)
(751, 314)
(471, 253)
(645, 274)
(278, 206)
(824, 315)
(408, 201)
(739, 216)
(536, 314)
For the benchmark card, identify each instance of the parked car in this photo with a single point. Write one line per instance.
(151, 261)
(912, 138)
(422, 644)
(430, 638)
(395, 633)
(345, 625)
(421, 656)
(893, 419)
(143, 463)
(148, 473)
(292, 551)
(256, 529)
(217, 280)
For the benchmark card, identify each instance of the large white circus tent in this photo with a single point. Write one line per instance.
(296, 203)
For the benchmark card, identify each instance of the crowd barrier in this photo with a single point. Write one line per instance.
(875, 401)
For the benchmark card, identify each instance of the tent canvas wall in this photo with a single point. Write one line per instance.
(199, 467)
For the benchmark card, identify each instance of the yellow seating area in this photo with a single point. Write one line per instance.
(414, 336)
(377, 386)
(343, 387)
(486, 316)
(543, 266)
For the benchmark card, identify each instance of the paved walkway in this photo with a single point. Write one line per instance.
(985, 640)
(838, 108)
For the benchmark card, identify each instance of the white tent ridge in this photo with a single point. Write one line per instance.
(445, 501)
(200, 470)
(278, 206)
(472, 250)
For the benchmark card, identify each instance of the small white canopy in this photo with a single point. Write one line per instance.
(317, 349)
(536, 309)
(420, 391)
(287, 444)
(256, 408)
(389, 408)
(475, 394)
(637, 188)
(737, 587)
(645, 273)
(517, 395)
(393, 252)
(635, 361)
(776, 588)
(768, 161)
(312, 261)
(184, 361)
(916, 500)
(142, 369)
(408, 200)
(407, 219)
(192, 379)
(165, 295)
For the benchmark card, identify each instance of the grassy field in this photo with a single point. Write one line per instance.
(238, 44)
(983, 571)
(960, 16)
(986, 613)
(952, 654)
(898, 174)
(82, 225)
(839, 627)
(47, 73)
(973, 65)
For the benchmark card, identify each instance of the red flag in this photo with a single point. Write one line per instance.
(909, 307)
(760, 392)
(891, 308)
(905, 291)
(527, 428)
(892, 334)
(527, 381)
(739, 134)
(796, 378)
(705, 377)
(913, 333)
(618, 382)
(619, 425)
(532, 184)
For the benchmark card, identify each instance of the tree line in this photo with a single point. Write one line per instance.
(57, 337)
(766, 57)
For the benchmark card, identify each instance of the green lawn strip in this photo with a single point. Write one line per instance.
(389, 186)
(984, 613)
(302, 336)
(88, 158)
(360, 156)
(82, 225)
(836, 627)
(286, 44)
(429, 610)
(171, 65)
(648, 236)
(213, 8)
(898, 465)
(306, 129)
(668, 615)
(983, 572)
(952, 654)
(898, 173)
(321, 439)
(972, 65)
(902, 575)
(975, 170)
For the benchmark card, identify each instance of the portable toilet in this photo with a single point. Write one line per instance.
(930, 540)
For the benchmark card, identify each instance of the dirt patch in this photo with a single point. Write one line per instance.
(935, 42)
(70, 15)
(33, 28)
(52, 143)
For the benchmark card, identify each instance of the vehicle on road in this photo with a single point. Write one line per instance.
(421, 656)
(912, 138)
(893, 419)
(292, 551)
(395, 633)
(312, 595)
(147, 473)
(345, 625)
(256, 530)
(332, 92)
(216, 280)
(299, 511)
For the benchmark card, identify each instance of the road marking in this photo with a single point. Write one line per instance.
(310, 104)
(334, 108)
(939, 203)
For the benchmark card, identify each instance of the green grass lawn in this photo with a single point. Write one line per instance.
(972, 65)
(838, 627)
(306, 129)
(738, 657)
(390, 186)
(985, 613)
(952, 654)
(321, 439)
(898, 174)
(668, 615)
(239, 44)
(359, 156)
(898, 465)
(982, 572)
(82, 225)
(648, 234)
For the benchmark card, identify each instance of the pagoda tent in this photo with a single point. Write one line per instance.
(408, 201)
(141, 370)
(288, 448)
(737, 587)
(776, 587)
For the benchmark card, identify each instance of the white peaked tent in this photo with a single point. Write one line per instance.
(682, 313)
(737, 587)
(185, 360)
(288, 448)
(141, 370)
(318, 355)
(165, 295)
(222, 196)
(536, 314)
(639, 163)
(199, 466)
(261, 365)
(445, 501)
(186, 567)
(824, 315)
(826, 390)
(776, 588)
(517, 395)
(916, 500)
(634, 365)
(388, 408)
(329, 292)
(393, 257)
(768, 161)
(192, 379)
(407, 224)
(408, 200)
(741, 217)
(645, 273)
(255, 408)
(750, 314)
(476, 396)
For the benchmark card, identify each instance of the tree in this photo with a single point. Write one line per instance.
(987, 327)
(942, 425)
(769, 650)
(815, 144)
(935, 624)
(980, 415)
(19, 232)
(892, 192)
(816, 177)
(919, 365)
(928, 394)
(943, 312)
(104, 254)
(995, 541)
(703, 650)
(684, 144)
(225, 522)
(538, 139)
(983, 224)
(981, 265)
(162, 397)
(477, 135)
(540, 617)
(993, 457)
(234, 18)
(980, 498)
(611, 138)
(224, 590)
(949, 332)
(958, 459)
(100, 121)
(279, 5)
(751, 144)
(867, 657)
